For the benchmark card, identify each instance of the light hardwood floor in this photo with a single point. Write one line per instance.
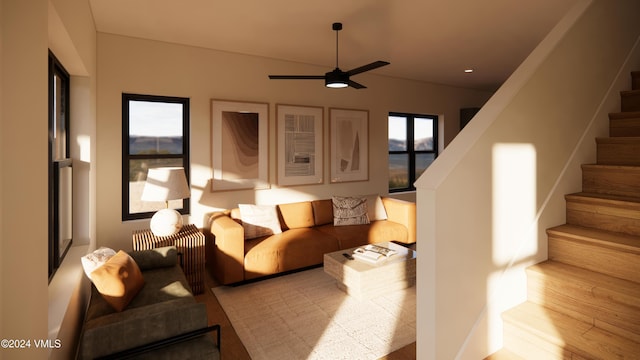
(231, 346)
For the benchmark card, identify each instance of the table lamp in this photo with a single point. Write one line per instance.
(164, 184)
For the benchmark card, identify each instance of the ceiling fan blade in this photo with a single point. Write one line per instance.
(296, 77)
(356, 85)
(373, 65)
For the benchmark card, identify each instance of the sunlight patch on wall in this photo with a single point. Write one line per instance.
(84, 143)
(514, 199)
(514, 236)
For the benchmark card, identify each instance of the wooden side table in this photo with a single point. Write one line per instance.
(189, 241)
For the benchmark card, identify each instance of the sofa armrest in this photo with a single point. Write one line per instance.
(402, 212)
(228, 248)
(139, 326)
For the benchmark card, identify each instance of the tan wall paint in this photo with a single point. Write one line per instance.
(28, 30)
(24, 174)
(541, 123)
(157, 68)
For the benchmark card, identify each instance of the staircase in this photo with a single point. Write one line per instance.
(584, 302)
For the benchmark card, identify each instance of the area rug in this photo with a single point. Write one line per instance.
(305, 316)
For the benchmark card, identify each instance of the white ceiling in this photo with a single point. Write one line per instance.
(426, 40)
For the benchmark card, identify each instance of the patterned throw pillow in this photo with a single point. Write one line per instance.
(95, 259)
(259, 220)
(349, 210)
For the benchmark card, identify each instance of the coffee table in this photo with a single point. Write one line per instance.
(364, 280)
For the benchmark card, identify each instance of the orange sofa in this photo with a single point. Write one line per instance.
(307, 234)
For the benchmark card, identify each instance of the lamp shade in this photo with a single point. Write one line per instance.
(165, 183)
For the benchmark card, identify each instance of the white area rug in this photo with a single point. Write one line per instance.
(305, 316)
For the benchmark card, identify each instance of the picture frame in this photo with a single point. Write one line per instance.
(300, 150)
(239, 145)
(349, 145)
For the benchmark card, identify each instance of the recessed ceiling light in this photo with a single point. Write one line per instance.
(468, 71)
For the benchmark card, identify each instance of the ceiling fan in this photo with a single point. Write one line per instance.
(336, 78)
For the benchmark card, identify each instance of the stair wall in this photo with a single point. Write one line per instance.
(584, 301)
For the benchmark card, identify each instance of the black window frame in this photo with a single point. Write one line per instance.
(410, 151)
(55, 69)
(126, 157)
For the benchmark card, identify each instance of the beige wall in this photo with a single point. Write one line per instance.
(24, 174)
(30, 307)
(511, 168)
(157, 68)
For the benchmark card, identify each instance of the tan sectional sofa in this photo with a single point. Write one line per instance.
(307, 234)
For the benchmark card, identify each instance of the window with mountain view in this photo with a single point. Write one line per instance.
(155, 133)
(412, 148)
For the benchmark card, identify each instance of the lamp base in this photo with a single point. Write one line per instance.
(166, 222)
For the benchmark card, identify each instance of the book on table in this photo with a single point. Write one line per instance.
(373, 253)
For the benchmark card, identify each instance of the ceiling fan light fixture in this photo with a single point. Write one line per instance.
(336, 84)
(336, 79)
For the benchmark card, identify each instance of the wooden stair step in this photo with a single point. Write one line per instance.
(606, 212)
(618, 150)
(503, 354)
(611, 179)
(608, 302)
(560, 336)
(630, 100)
(624, 124)
(612, 254)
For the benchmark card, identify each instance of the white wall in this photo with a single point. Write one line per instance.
(150, 67)
(505, 176)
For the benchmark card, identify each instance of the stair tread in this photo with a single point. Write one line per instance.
(629, 243)
(503, 354)
(624, 115)
(611, 167)
(629, 92)
(618, 140)
(571, 334)
(600, 197)
(574, 274)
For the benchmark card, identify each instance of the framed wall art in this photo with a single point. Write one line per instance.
(299, 131)
(239, 145)
(349, 145)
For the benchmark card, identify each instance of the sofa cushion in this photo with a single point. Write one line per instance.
(357, 235)
(290, 250)
(349, 210)
(118, 280)
(259, 220)
(297, 215)
(139, 326)
(161, 284)
(322, 211)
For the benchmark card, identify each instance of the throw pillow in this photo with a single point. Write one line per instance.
(375, 207)
(349, 211)
(118, 280)
(97, 258)
(259, 220)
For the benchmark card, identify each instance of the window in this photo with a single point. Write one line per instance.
(155, 133)
(413, 145)
(60, 166)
